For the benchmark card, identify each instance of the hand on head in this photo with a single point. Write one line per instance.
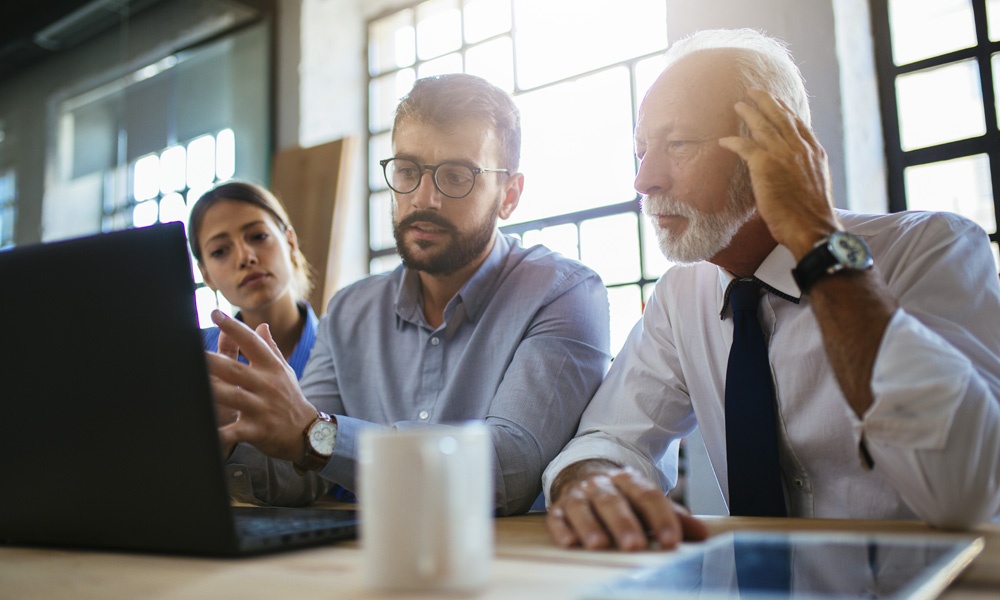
(599, 505)
(788, 170)
(272, 411)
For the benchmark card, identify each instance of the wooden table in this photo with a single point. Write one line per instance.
(527, 566)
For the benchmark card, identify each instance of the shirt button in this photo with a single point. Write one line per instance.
(435, 341)
(424, 414)
(799, 483)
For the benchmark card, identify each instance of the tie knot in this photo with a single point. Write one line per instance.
(744, 295)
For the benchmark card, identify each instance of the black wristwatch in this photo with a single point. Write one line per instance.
(839, 252)
(321, 436)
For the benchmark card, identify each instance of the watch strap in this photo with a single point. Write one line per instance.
(312, 460)
(814, 265)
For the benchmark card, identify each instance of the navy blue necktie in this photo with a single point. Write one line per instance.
(751, 429)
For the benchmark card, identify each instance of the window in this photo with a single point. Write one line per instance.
(938, 62)
(8, 207)
(142, 147)
(164, 185)
(577, 115)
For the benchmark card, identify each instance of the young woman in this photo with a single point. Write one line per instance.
(245, 248)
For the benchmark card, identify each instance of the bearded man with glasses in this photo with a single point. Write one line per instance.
(471, 326)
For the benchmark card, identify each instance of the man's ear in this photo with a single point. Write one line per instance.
(513, 188)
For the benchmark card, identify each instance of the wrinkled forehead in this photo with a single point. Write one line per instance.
(698, 90)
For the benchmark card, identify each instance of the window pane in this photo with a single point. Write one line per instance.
(993, 19)
(146, 177)
(383, 264)
(379, 147)
(439, 28)
(201, 162)
(451, 63)
(380, 221)
(493, 61)
(996, 254)
(391, 43)
(625, 29)
(173, 169)
(383, 96)
(626, 309)
(925, 28)
(486, 18)
(173, 208)
(655, 264)
(940, 105)
(646, 72)
(563, 239)
(995, 65)
(225, 155)
(610, 246)
(960, 186)
(145, 213)
(577, 151)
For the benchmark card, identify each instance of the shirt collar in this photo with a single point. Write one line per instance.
(472, 295)
(774, 275)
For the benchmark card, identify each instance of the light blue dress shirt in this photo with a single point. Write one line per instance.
(523, 347)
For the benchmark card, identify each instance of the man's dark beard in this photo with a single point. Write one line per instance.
(462, 250)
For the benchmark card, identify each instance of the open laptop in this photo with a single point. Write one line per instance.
(107, 427)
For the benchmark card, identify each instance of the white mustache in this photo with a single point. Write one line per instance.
(663, 204)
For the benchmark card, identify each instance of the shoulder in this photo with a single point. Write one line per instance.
(367, 289)
(538, 267)
(910, 225)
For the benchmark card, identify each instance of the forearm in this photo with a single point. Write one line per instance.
(853, 310)
(934, 430)
(258, 479)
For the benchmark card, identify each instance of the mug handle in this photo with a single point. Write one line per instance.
(435, 531)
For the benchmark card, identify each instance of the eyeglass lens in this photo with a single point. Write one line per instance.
(454, 180)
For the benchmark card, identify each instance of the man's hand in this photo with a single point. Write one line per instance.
(599, 505)
(788, 170)
(272, 412)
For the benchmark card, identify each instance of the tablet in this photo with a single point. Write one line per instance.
(807, 565)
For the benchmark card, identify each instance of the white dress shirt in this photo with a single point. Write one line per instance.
(933, 430)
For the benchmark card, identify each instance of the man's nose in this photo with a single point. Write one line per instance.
(653, 175)
(426, 195)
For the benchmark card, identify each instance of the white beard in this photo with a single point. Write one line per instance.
(706, 234)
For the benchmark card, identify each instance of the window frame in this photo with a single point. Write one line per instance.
(897, 160)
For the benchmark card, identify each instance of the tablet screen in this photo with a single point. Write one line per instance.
(817, 565)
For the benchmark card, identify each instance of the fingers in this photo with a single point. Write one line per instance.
(694, 529)
(228, 346)
(617, 508)
(264, 331)
(655, 510)
(245, 339)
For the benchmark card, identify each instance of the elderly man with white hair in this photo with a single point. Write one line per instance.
(838, 364)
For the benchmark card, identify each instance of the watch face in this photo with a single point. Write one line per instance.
(322, 436)
(850, 250)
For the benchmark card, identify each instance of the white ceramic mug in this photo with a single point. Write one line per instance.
(426, 507)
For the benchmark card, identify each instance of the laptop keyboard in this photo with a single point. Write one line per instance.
(290, 522)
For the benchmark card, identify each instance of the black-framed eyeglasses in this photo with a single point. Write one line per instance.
(453, 179)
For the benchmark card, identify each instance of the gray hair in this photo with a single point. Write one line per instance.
(761, 62)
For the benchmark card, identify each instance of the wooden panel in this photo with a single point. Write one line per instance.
(313, 185)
